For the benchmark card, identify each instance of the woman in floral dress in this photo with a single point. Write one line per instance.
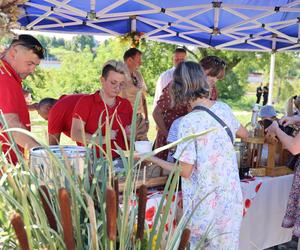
(208, 163)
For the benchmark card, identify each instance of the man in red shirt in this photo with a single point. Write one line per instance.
(91, 111)
(18, 62)
(59, 115)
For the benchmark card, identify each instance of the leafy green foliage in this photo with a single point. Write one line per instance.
(81, 63)
(287, 73)
(230, 87)
(78, 74)
(81, 42)
(110, 49)
(157, 58)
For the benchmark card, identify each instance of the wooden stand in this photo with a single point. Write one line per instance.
(275, 150)
(275, 147)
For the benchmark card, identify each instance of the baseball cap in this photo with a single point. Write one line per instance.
(267, 111)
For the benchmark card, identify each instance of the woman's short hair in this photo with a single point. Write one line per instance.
(214, 65)
(189, 83)
(114, 65)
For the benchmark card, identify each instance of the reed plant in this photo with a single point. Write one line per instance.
(85, 212)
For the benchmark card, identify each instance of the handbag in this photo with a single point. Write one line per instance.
(218, 119)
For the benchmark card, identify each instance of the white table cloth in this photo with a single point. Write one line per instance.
(261, 225)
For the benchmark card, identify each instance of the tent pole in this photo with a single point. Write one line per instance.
(133, 24)
(271, 78)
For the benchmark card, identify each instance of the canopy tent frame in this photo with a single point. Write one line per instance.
(258, 25)
(237, 33)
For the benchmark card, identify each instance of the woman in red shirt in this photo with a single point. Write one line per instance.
(91, 111)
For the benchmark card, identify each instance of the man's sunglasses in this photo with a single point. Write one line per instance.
(134, 80)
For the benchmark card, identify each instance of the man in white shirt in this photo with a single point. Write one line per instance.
(179, 56)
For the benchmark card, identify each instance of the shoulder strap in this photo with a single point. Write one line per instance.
(218, 120)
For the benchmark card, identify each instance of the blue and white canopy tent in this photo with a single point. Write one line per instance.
(251, 25)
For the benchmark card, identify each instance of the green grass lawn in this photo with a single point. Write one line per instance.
(242, 110)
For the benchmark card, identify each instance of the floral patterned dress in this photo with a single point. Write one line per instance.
(215, 174)
(292, 214)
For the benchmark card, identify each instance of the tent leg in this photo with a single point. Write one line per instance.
(271, 78)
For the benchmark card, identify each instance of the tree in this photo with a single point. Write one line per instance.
(78, 74)
(238, 66)
(157, 58)
(110, 49)
(80, 70)
(286, 74)
(80, 42)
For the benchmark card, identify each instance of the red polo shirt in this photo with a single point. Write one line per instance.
(12, 101)
(60, 115)
(91, 108)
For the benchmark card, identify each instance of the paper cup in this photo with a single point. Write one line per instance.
(143, 147)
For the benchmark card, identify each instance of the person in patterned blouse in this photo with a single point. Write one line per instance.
(164, 114)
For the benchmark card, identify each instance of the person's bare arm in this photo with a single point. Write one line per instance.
(290, 120)
(242, 132)
(54, 139)
(292, 144)
(32, 107)
(78, 133)
(145, 107)
(186, 169)
(159, 120)
(21, 139)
